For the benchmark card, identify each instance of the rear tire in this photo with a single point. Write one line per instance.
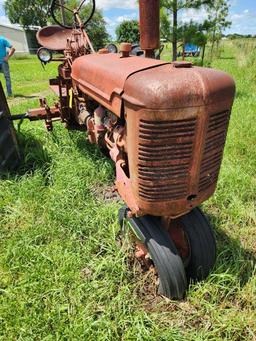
(9, 150)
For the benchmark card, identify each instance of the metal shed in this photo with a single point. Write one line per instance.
(16, 36)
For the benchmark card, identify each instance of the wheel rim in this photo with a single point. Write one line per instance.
(177, 234)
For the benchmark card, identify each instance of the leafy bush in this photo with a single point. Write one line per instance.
(128, 32)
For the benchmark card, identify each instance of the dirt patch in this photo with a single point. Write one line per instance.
(107, 193)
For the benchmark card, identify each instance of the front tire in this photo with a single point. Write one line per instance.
(202, 244)
(163, 253)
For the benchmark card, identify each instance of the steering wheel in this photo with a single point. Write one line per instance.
(64, 12)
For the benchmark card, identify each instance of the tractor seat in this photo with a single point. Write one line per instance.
(53, 37)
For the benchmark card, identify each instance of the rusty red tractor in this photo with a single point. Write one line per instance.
(163, 124)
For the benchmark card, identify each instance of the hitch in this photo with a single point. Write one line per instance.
(19, 117)
(49, 114)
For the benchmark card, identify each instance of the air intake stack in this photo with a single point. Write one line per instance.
(149, 26)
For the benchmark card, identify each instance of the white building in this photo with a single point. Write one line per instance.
(16, 36)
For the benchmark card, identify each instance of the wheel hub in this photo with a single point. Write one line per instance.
(178, 236)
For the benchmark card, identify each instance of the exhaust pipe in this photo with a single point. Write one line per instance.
(149, 26)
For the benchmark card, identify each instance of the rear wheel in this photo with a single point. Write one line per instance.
(163, 253)
(9, 151)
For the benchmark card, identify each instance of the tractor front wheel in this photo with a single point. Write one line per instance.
(161, 251)
(200, 242)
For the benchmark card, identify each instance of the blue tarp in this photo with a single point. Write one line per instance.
(191, 48)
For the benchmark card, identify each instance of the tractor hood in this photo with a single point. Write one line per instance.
(152, 84)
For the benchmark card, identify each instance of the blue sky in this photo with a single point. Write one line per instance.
(242, 14)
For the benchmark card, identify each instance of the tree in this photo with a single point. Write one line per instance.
(165, 25)
(128, 31)
(201, 40)
(217, 17)
(172, 7)
(27, 12)
(96, 30)
(194, 33)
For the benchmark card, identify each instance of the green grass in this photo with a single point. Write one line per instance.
(62, 274)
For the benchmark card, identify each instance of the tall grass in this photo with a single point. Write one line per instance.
(245, 52)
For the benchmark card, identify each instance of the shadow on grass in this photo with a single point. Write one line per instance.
(233, 258)
(242, 94)
(92, 151)
(23, 96)
(33, 157)
(227, 58)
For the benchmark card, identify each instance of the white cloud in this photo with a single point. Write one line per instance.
(236, 16)
(112, 23)
(125, 4)
(243, 16)
(109, 22)
(243, 22)
(194, 15)
(122, 18)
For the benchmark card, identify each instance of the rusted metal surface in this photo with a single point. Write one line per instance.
(175, 139)
(103, 51)
(178, 236)
(53, 37)
(177, 118)
(41, 113)
(46, 113)
(56, 90)
(211, 158)
(94, 75)
(149, 24)
(123, 183)
(125, 49)
(169, 87)
(124, 187)
(182, 64)
(73, 43)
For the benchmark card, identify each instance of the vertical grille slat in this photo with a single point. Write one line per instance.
(213, 149)
(165, 155)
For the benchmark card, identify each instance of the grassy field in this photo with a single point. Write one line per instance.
(63, 275)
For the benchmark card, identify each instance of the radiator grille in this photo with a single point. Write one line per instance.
(213, 149)
(164, 160)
